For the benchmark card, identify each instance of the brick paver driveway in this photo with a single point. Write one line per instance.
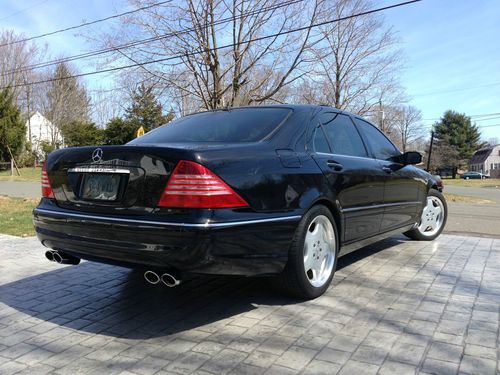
(399, 307)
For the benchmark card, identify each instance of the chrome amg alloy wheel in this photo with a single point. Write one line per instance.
(312, 258)
(319, 251)
(432, 217)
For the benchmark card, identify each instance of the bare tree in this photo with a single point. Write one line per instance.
(223, 59)
(493, 141)
(15, 58)
(408, 125)
(63, 100)
(106, 105)
(357, 59)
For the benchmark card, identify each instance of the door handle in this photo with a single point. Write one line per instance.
(334, 165)
(387, 169)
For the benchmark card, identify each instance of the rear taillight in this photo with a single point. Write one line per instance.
(192, 185)
(47, 191)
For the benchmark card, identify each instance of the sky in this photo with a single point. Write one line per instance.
(450, 47)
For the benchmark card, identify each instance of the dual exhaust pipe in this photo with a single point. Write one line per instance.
(166, 278)
(151, 276)
(61, 258)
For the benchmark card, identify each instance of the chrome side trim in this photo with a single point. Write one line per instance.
(354, 209)
(164, 223)
(344, 156)
(98, 170)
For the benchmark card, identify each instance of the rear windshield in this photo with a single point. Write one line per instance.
(234, 125)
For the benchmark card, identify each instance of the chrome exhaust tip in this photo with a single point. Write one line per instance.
(152, 277)
(170, 280)
(57, 257)
(63, 258)
(50, 255)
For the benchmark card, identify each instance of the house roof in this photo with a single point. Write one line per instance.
(481, 155)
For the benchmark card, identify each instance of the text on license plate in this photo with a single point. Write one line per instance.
(99, 186)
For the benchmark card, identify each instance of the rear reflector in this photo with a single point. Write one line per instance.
(47, 191)
(192, 185)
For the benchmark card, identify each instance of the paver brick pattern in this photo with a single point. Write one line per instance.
(397, 307)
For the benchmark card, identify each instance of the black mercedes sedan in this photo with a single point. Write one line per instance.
(258, 191)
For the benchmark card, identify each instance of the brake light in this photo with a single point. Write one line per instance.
(47, 191)
(192, 185)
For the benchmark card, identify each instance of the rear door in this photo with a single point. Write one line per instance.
(355, 179)
(403, 188)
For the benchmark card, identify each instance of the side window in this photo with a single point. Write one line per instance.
(342, 135)
(319, 140)
(381, 147)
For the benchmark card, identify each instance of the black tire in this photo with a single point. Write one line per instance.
(293, 279)
(416, 234)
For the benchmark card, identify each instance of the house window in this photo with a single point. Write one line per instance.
(491, 166)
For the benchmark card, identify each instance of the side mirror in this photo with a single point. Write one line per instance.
(409, 157)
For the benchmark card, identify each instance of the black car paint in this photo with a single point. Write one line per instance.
(280, 177)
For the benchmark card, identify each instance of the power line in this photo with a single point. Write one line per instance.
(85, 24)
(486, 119)
(144, 41)
(488, 126)
(486, 115)
(474, 117)
(24, 9)
(457, 90)
(275, 35)
(477, 126)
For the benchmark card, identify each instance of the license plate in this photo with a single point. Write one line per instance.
(99, 186)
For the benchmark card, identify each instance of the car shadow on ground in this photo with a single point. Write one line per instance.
(97, 298)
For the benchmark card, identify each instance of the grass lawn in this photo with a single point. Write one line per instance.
(474, 183)
(27, 174)
(465, 199)
(15, 216)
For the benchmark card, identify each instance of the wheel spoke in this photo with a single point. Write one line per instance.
(308, 262)
(438, 210)
(432, 224)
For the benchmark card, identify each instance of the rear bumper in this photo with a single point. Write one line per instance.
(248, 247)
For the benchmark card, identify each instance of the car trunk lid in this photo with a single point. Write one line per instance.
(112, 179)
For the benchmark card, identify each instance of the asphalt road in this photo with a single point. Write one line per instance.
(476, 219)
(490, 193)
(20, 189)
(473, 219)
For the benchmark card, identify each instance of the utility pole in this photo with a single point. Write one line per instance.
(430, 152)
(29, 117)
(28, 107)
(382, 115)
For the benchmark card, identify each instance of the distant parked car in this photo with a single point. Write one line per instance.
(473, 175)
(439, 182)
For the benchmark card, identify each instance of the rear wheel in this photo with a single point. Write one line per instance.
(312, 257)
(433, 218)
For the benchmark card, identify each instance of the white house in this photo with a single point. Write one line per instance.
(39, 129)
(487, 161)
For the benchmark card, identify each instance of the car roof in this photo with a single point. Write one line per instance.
(295, 107)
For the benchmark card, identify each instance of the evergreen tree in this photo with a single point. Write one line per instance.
(146, 110)
(82, 133)
(119, 131)
(456, 133)
(12, 128)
